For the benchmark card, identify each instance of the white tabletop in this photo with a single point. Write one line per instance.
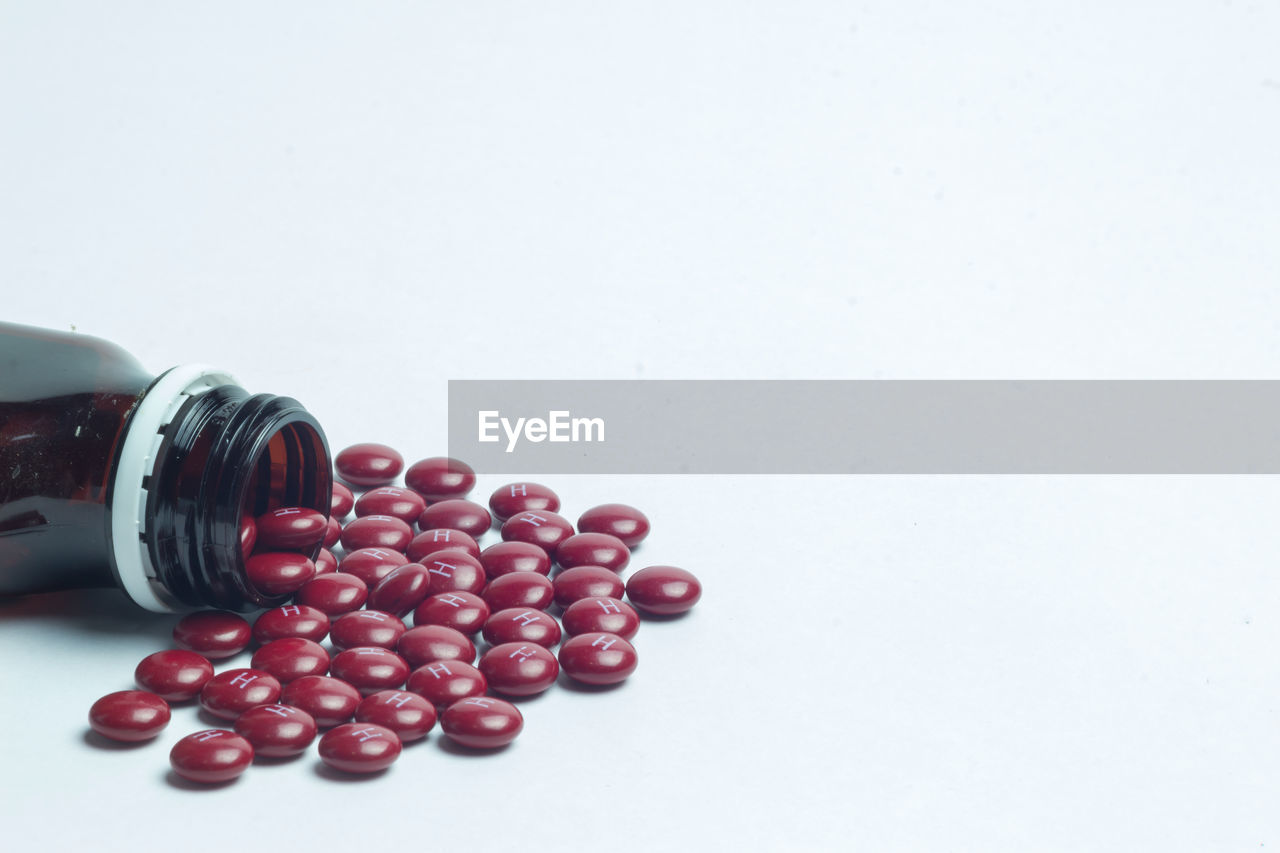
(353, 207)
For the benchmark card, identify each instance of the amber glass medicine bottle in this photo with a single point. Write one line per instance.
(111, 475)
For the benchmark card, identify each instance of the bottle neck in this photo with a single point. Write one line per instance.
(213, 453)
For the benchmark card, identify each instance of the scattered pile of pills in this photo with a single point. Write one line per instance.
(409, 557)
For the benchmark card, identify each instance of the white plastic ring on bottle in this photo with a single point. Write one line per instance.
(137, 462)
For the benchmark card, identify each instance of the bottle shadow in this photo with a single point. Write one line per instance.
(89, 611)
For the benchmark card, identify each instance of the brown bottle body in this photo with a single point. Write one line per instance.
(65, 402)
(111, 475)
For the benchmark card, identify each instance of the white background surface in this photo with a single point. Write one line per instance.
(354, 204)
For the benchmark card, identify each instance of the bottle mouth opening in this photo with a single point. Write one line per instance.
(219, 454)
(286, 465)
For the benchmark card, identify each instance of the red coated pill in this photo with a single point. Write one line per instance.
(522, 625)
(544, 529)
(370, 668)
(359, 748)
(278, 572)
(446, 681)
(175, 675)
(515, 498)
(601, 614)
(129, 715)
(584, 582)
(402, 590)
(663, 590)
(291, 658)
(211, 756)
(440, 478)
(326, 563)
(625, 522)
(366, 628)
(290, 527)
(519, 589)
(404, 504)
(454, 571)
(332, 532)
(519, 669)
(482, 722)
(430, 542)
(229, 694)
(407, 714)
(593, 549)
(328, 700)
(291, 620)
(277, 731)
(333, 594)
(248, 535)
(598, 658)
(461, 611)
(371, 564)
(430, 643)
(470, 518)
(377, 531)
(368, 464)
(215, 634)
(505, 558)
(341, 502)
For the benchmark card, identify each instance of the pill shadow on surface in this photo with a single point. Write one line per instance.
(212, 721)
(276, 760)
(662, 617)
(579, 687)
(447, 745)
(97, 741)
(324, 771)
(173, 780)
(521, 701)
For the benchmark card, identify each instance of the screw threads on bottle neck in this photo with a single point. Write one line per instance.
(226, 454)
